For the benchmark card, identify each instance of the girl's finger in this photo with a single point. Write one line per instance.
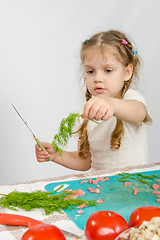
(41, 160)
(37, 148)
(87, 107)
(101, 113)
(108, 115)
(93, 110)
(41, 153)
(41, 157)
(47, 145)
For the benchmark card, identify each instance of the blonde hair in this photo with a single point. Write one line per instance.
(126, 56)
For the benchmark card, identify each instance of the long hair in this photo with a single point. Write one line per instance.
(126, 56)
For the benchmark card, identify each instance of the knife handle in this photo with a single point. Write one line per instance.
(41, 146)
(18, 220)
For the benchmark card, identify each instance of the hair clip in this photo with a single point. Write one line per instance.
(85, 40)
(135, 52)
(124, 41)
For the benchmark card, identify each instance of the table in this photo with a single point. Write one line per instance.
(60, 220)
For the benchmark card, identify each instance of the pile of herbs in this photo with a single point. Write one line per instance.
(41, 200)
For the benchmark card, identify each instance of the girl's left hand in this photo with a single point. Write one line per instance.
(98, 108)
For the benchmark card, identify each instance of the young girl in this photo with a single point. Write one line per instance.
(110, 63)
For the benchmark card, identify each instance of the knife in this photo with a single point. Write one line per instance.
(18, 220)
(34, 136)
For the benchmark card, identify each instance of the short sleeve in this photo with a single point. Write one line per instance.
(135, 95)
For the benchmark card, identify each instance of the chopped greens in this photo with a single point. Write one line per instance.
(41, 200)
(136, 176)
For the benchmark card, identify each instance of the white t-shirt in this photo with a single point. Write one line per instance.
(133, 148)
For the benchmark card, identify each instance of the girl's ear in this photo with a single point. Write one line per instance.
(128, 72)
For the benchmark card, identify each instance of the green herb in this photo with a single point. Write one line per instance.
(137, 177)
(65, 132)
(41, 200)
(142, 180)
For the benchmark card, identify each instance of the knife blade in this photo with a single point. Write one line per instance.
(34, 136)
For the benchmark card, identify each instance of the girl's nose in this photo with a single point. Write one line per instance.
(98, 77)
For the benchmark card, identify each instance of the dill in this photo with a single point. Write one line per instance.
(142, 180)
(65, 132)
(41, 200)
(137, 177)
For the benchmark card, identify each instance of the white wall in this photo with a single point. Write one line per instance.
(39, 63)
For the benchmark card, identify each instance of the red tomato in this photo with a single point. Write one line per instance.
(102, 225)
(43, 231)
(141, 214)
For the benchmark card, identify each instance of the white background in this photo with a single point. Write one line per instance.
(39, 71)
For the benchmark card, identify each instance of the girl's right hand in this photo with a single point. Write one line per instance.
(43, 156)
(99, 108)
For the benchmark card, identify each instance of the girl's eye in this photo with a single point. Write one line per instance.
(108, 70)
(90, 71)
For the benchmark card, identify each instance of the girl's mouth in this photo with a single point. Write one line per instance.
(99, 90)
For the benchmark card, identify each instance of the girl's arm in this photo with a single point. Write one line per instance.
(129, 110)
(99, 108)
(69, 160)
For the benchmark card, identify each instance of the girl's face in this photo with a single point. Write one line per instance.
(104, 74)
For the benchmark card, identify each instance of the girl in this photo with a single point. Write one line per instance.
(110, 63)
